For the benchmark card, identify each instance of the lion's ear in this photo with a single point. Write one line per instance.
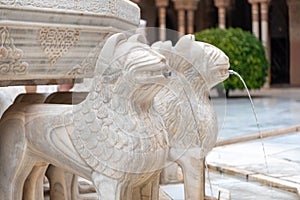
(184, 43)
(167, 45)
(108, 49)
(138, 38)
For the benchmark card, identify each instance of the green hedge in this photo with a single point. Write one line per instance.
(245, 52)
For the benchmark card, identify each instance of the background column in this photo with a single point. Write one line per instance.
(162, 5)
(294, 23)
(191, 6)
(190, 21)
(255, 17)
(180, 7)
(264, 7)
(181, 21)
(222, 5)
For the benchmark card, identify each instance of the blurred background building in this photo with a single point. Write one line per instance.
(275, 22)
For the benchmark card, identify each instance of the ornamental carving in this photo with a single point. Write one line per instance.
(10, 56)
(57, 41)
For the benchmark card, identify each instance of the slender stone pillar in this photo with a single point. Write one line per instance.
(191, 6)
(264, 6)
(162, 23)
(183, 7)
(294, 30)
(263, 29)
(255, 17)
(264, 21)
(180, 6)
(222, 17)
(181, 21)
(162, 5)
(222, 5)
(190, 20)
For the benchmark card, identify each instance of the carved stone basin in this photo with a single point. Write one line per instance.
(55, 41)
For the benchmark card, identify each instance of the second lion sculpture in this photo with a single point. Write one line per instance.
(192, 128)
(113, 138)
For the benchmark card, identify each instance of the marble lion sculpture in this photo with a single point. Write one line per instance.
(114, 137)
(192, 129)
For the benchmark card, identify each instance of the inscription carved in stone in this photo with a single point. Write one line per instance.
(57, 41)
(10, 56)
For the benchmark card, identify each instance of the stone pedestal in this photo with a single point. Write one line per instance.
(55, 41)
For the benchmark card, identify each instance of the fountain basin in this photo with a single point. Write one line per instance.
(57, 41)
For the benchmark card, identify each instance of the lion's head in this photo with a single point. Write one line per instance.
(211, 63)
(128, 67)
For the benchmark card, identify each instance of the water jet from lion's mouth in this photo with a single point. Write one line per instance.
(232, 72)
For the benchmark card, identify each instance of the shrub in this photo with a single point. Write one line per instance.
(245, 52)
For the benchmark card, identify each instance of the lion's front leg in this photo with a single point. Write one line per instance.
(148, 190)
(192, 165)
(110, 189)
(153, 188)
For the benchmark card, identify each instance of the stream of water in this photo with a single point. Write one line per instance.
(255, 115)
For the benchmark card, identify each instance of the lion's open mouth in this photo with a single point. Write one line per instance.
(223, 70)
(220, 71)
